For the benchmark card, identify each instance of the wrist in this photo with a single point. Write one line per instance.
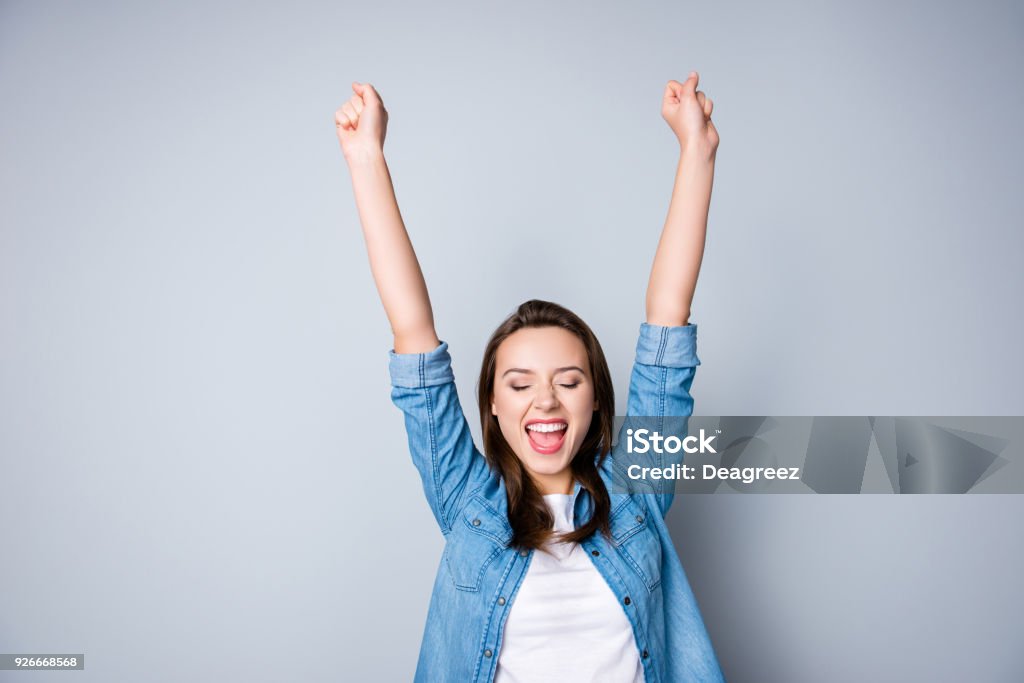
(362, 156)
(697, 151)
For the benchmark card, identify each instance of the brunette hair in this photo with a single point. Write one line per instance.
(528, 515)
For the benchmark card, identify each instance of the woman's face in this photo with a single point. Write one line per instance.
(543, 375)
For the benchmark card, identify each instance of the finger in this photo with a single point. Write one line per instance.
(350, 112)
(672, 89)
(357, 104)
(708, 106)
(342, 118)
(700, 97)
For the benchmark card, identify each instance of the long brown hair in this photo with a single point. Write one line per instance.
(528, 515)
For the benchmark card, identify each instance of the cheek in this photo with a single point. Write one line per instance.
(583, 402)
(583, 411)
(509, 413)
(513, 403)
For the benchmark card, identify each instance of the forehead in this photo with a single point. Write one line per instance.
(541, 348)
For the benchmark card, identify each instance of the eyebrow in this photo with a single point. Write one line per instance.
(530, 372)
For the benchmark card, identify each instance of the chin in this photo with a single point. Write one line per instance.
(545, 464)
(546, 468)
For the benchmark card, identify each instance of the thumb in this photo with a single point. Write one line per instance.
(690, 84)
(365, 90)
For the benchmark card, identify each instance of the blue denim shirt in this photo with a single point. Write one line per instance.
(479, 574)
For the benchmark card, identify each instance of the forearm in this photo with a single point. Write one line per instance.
(396, 271)
(681, 246)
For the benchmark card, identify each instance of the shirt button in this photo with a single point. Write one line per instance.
(639, 518)
(595, 553)
(501, 601)
(524, 553)
(626, 600)
(476, 522)
(644, 654)
(487, 653)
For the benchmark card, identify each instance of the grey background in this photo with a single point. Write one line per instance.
(201, 474)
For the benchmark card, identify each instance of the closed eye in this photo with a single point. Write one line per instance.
(567, 386)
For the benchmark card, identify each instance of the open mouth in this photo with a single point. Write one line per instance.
(547, 437)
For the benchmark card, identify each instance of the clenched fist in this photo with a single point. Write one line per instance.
(361, 122)
(688, 113)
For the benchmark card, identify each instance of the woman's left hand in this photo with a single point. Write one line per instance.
(688, 113)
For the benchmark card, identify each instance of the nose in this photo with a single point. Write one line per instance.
(546, 398)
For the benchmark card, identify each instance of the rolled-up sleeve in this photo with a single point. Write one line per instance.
(663, 371)
(659, 387)
(417, 370)
(440, 442)
(671, 346)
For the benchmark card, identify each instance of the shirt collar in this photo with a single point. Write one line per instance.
(581, 505)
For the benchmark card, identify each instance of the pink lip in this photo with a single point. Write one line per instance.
(552, 449)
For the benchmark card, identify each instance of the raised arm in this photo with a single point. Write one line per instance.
(422, 381)
(362, 126)
(666, 350)
(681, 246)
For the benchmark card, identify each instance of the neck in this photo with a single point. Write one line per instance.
(554, 483)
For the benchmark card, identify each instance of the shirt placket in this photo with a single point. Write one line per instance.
(508, 586)
(600, 552)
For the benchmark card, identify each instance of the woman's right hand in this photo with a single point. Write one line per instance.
(361, 122)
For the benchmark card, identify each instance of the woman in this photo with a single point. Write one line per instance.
(547, 574)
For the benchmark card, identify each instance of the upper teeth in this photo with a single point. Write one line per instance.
(550, 427)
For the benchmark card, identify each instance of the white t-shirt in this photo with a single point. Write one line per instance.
(566, 625)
